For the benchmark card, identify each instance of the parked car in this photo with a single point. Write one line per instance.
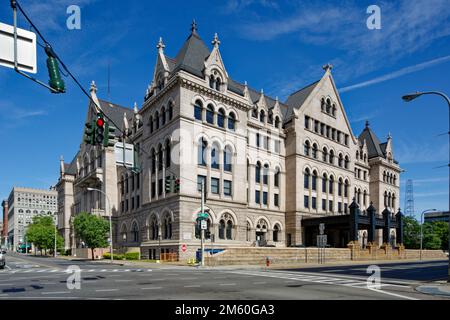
(2, 259)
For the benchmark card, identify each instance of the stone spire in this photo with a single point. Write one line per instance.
(216, 41)
(93, 89)
(367, 124)
(194, 27)
(328, 67)
(160, 45)
(61, 165)
(135, 109)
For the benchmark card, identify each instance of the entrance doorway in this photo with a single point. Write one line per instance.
(260, 239)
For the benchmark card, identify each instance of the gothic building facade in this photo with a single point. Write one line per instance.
(267, 165)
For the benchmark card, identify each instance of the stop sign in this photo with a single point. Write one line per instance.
(184, 248)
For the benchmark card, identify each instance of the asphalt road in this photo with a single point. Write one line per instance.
(29, 277)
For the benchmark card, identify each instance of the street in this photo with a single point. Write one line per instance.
(28, 277)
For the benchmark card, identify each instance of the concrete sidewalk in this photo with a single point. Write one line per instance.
(439, 288)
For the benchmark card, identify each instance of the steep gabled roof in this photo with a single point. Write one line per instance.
(374, 147)
(192, 56)
(296, 100)
(115, 112)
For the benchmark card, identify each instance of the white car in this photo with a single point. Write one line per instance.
(2, 259)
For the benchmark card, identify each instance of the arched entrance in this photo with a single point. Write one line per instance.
(261, 233)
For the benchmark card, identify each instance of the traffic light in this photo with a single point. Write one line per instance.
(168, 184)
(177, 186)
(99, 130)
(55, 82)
(110, 136)
(89, 134)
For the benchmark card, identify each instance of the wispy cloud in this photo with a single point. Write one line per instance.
(409, 152)
(233, 6)
(397, 74)
(430, 194)
(422, 182)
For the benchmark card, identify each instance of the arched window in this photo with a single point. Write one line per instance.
(163, 116)
(151, 124)
(262, 116)
(231, 121)
(270, 118)
(395, 180)
(258, 172)
(215, 157)
(357, 155)
(359, 196)
(227, 166)
(249, 229)
(331, 157)
(135, 232)
(314, 181)
(365, 198)
(328, 105)
(160, 157)
(314, 151)
(347, 162)
(389, 200)
(277, 122)
(276, 230)
(307, 148)
(167, 227)
(212, 82)
(198, 110)
(346, 189)
(221, 118)
(170, 111)
(322, 104)
(266, 174)
(324, 183)
(153, 160)
(255, 113)
(123, 233)
(210, 114)
(385, 199)
(365, 158)
(218, 84)
(341, 160)
(229, 230)
(153, 229)
(276, 180)
(306, 178)
(168, 155)
(340, 185)
(201, 152)
(393, 202)
(384, 176)
(222, 229)
(331, 185)
(324, 155)
(334, 110)
(156, 120)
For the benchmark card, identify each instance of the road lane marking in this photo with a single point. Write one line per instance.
(103, 270)
(8, 267)
(123, 280)
(259, 282)
(188, 278)
(152, 288)
(56, 293)
(6, 284)
(193, 286)
(106, 290)
(159, 279)
(393, 294)
(227, 284)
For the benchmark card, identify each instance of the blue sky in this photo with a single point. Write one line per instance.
(274, 45)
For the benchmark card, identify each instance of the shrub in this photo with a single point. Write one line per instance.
(132, 256)
(115, 256)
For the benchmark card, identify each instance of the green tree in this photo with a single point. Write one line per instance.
(435, 235)
(92, 230)
(42, 234)
(411, 233)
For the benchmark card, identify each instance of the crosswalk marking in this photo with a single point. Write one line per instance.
(37, 270)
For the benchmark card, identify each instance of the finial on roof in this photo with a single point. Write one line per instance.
(93, 87)
(276, 99)
(161, 44)
(262, 91)
(327, 67)
(194, 27)
(136, 110)
(367, 123)
(216, 41)
(389, 137)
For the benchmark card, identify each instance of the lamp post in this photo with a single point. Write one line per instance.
(110, 221)
(421, 230)
(411, 97)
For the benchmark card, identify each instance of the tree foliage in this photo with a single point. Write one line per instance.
(42, 233)
(435, 234)
(92, 230)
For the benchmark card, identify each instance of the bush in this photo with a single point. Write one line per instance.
(115, 256)
(132, 256)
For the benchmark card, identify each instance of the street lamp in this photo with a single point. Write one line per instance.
(110, 221)
(411, 97)
(421, 229)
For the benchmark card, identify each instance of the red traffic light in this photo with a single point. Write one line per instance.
(177, 181)
(100, 122)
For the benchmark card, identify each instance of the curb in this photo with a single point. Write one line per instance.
(442, 290)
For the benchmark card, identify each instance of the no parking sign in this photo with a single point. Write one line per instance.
(184, 248)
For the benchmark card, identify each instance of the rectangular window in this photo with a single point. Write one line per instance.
(277, 145)
(265, 198)
(314, 203)
(257, 197)
(276, 200)
(316, 126)
(306, 202)
(138, 202)
(307, 122)
(340, 207)
(346, 208)
(199, 183)
(266, 143)
(132, 203)
(324, 205)
(227, 188)
(160, 187)
(126, 205)
(215, 186)
(198, 112)
(258, 140)
(153, 189)
(330, 206)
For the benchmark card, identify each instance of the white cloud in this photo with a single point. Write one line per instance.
(233, 6)
(397, 74)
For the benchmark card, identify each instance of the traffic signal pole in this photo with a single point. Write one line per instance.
(203, 231)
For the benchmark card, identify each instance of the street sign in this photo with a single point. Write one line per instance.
(129, 155)
(204, 225)
(203, 216)
(26, 48)
(322, 228)
(184, 248)
(322, 241)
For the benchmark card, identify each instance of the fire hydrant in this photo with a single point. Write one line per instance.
(267, 262)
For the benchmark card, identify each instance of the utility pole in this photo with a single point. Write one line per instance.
(203, 231)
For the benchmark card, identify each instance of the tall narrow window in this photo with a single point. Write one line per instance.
(221, 118)
(210, 114)
(331, 157)
(258, 172)
(324, 155)
(201, 156)
(262, 116)
(163, 116)
(229, 230)
(340, 185)
(331, 185)
(222, 230)
(266, 174)
(160, 157)
(168, 155)
(151, 124)
(157, 120)
(170, 111)
(314, 151)
(153, 161)
(277, 122)
(198, 110)
(276, 177)
(324, 183)
(307, 148)
(231, 121)
(314, 181)
(215, 157)
(306, 179)
(227, 160)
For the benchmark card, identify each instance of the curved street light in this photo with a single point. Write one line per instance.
(413, 96)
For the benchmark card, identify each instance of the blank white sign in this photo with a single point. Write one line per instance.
(26, 48)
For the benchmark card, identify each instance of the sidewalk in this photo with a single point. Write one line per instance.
(439, 288)
(130, 263)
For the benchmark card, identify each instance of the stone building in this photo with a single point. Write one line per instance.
(268, 165)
